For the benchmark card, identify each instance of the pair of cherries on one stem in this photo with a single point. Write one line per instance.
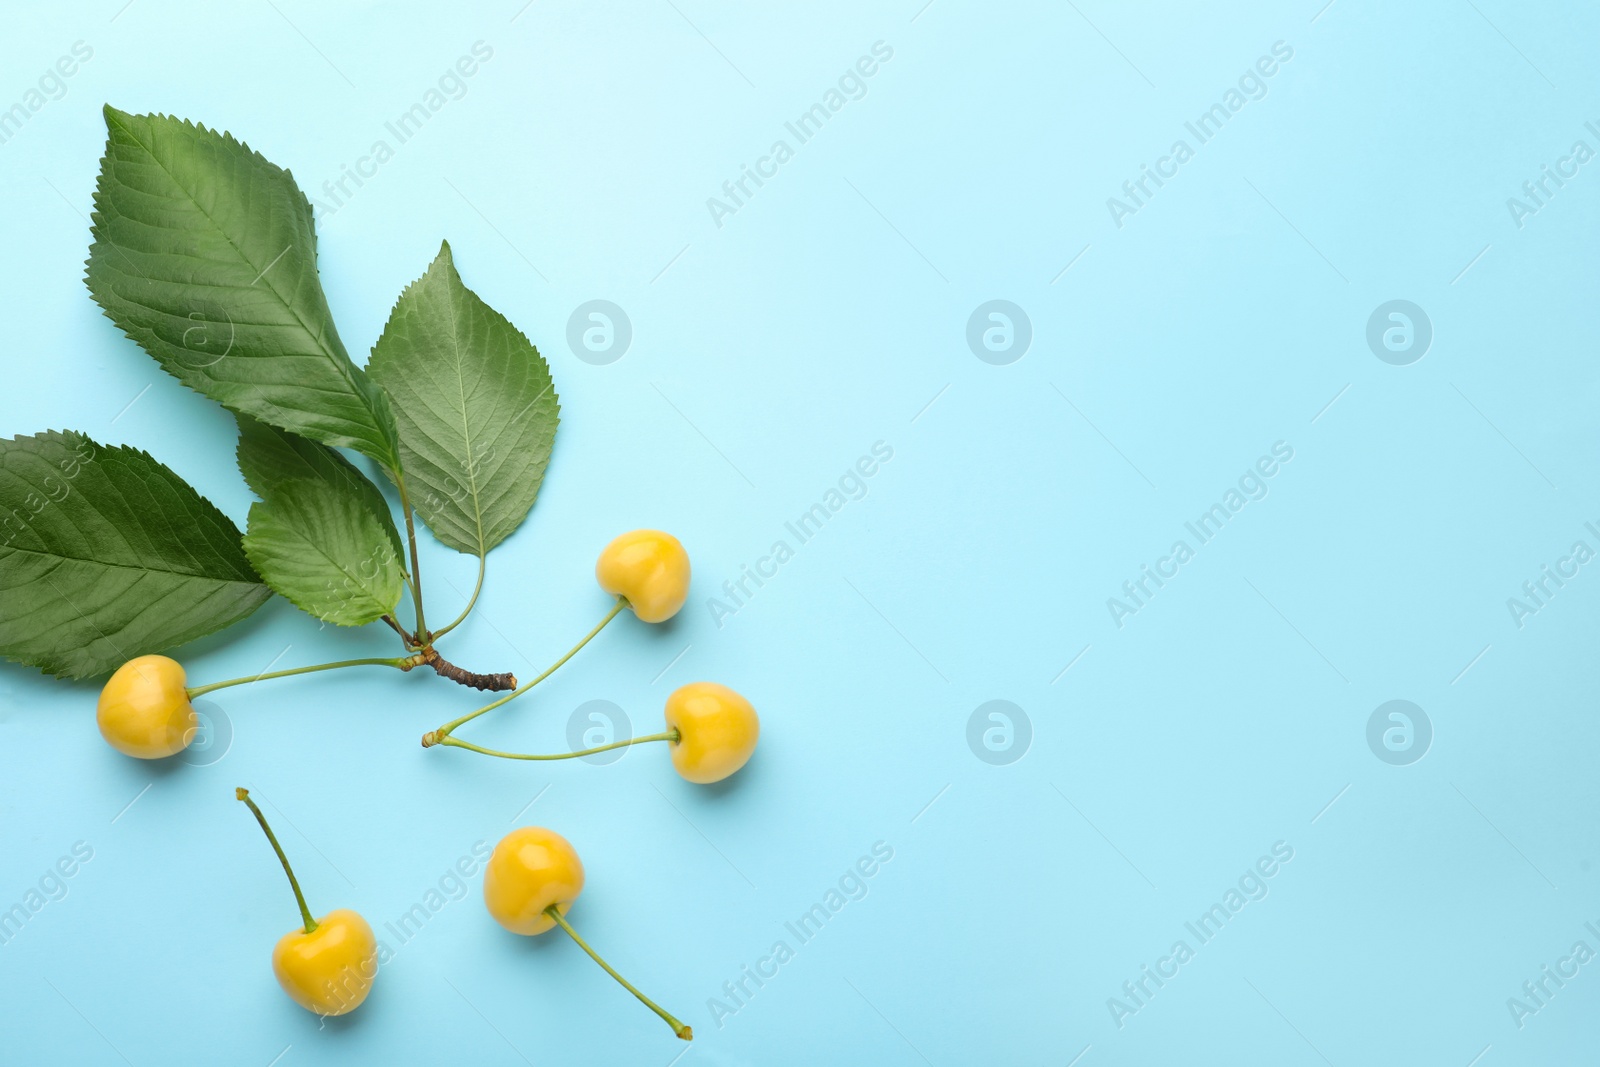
(531, 880)
(711, 730)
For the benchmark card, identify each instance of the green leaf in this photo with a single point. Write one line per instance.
(268, 456)
(105, 554)
(206, 255)
(476, 408)
(317, 545)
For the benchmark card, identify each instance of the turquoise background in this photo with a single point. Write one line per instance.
(827, 313)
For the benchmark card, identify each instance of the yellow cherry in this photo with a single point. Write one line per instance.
(717, 731)
(531, 870)
(649, 569)
(530, 882)
(144, 709)
(330, 969)
(327, 966)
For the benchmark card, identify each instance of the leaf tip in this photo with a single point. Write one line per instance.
(116, 118)
(445, 260)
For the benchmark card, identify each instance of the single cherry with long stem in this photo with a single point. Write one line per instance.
(711, 732)
(327, 966)
(145, 708)
(531, 880)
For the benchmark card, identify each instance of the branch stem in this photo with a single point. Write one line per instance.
(495, 683)
(449, 727)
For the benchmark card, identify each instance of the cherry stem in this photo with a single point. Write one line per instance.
(449, 727)
(445, 739)
(554, 911)
(459, 619)
(305, 912)
(404, 663)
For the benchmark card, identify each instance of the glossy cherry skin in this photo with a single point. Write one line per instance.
(144, 710)
(330, 970)
(650, 569)
(717, 731)
(529, 870)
